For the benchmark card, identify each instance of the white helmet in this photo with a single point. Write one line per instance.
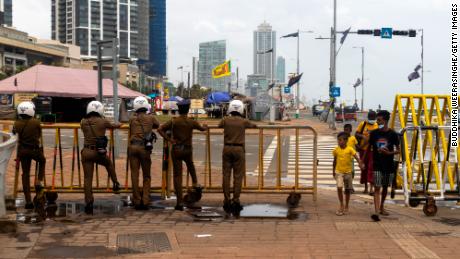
(95, 106)
(141, 102)
(26, 108)
(236, 106)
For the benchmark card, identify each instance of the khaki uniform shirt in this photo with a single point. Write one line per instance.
(29, 131)
(182, 129)
(98, 124)
(149, 122)
(234, 129)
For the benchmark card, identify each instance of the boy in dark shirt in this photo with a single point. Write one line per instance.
(385, 144)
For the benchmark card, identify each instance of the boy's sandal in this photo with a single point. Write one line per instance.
(384, 213)
(339, 213)
(375, 217)
(345, 211)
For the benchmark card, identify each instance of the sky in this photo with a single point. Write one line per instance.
(388, 62)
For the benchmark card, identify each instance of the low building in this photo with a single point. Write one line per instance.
(256, 85)
(18, 51)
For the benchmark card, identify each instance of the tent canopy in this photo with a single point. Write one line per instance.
(217, 98)
(61, 82)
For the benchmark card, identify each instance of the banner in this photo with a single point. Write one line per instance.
(23, 97)
(222, 70)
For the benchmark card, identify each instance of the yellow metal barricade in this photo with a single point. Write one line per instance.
(429, 162)
(66, 174)
(280, 185)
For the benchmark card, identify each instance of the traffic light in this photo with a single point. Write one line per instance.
(377, 32)
(401, 33)
(365, 31)
(412, 33)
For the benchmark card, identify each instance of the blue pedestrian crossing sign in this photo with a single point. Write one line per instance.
(287, 90)
(335, 92)
(386, 33)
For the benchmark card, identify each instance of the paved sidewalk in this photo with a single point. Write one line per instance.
(316, 233)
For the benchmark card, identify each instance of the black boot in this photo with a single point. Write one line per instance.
(179, 207)
(236, 208)
(227, 207)
(89, 209)
(116, 187)
(29, 206)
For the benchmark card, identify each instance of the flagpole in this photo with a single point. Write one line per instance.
(423, 67)
(334, 62)
(297, 112)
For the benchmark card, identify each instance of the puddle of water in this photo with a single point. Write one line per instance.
(28, 218)
(264, 211)
(100, 207)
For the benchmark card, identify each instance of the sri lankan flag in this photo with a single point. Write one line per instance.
(222, 70)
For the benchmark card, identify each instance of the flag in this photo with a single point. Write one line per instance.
(358, 82)
(293, 80)
(295, 34)
(222, 70)
(414, 75)
(265, 52)
(344, 36)
(417, 68)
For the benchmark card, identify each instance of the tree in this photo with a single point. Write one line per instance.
(180, 90)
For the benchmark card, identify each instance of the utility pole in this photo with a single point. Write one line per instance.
(188, 83)
(334, 61)
(237, 77)
(423, 67)
(297, 111)
(99, 72)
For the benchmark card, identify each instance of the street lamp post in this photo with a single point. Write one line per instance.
(362, 76)
(297, 114)
(423, 67)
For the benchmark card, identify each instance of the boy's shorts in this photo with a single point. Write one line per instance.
(344, 180)
(383, 179)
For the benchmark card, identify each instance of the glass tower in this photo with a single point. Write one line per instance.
(212, 54)
(85, 22)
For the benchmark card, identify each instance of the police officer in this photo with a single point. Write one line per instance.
(233, 154)
(141, 127)
(94, 151)
(181, 139)
(29, 133)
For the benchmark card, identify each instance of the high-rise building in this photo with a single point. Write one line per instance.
(6, 12)
(281, 70)
(85, 22)
(156, 61)
(264, 60)
(212, 54)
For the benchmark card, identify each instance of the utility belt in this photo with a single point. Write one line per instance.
(92, 147)
(137, 142)
(181, 147)
(234, 145)
(29, 146)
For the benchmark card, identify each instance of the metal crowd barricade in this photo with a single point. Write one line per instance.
(64, 181)
(280, 186)
(442, 163)
(426, 151)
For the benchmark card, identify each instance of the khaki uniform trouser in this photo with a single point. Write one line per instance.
(182, 153)
(233, 158)
(139, 157)
(90, 157)
(25, 156)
